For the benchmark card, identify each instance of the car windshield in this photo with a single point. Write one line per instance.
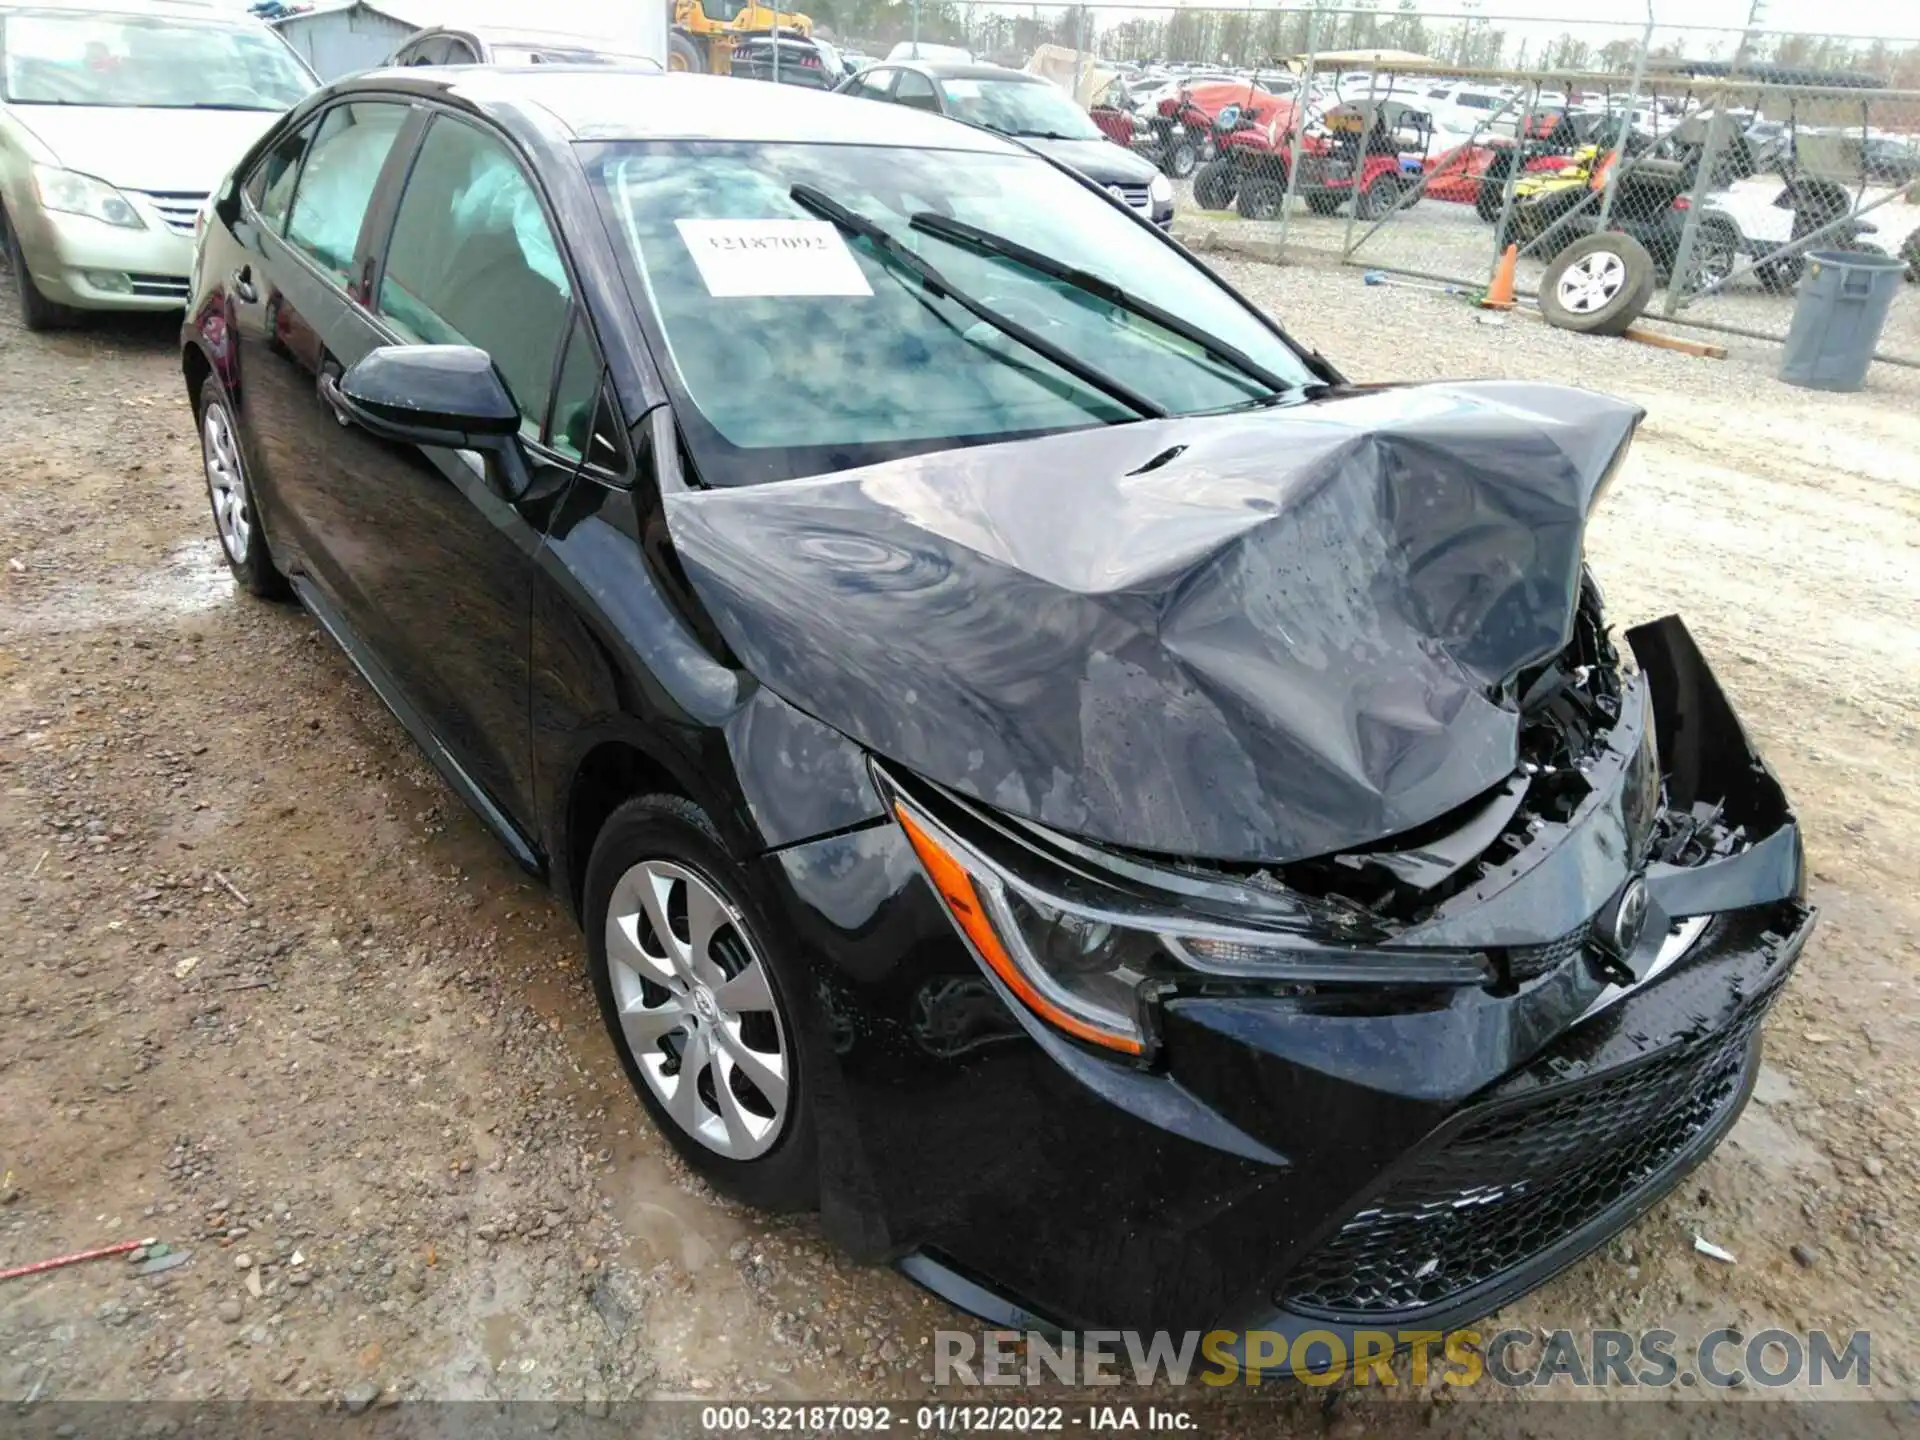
(802, 350)
(144, 62)
(1018, 107)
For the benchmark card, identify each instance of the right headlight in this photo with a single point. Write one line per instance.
(72, 193)
(1091, 971)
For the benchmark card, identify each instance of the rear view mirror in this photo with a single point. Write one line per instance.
(449, 396)
(428, 395)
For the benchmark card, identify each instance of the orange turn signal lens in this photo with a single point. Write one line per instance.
(956, 888)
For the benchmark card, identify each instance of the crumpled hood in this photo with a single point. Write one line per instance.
(171, 152)
(1256, 637)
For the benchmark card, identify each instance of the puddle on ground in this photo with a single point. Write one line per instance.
(500, 1337)
(191, 580)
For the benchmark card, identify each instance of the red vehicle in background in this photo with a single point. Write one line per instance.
(1371, 155)
(1475, 173)
(1173, 127)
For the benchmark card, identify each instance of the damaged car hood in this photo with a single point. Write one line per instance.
(1255, 637)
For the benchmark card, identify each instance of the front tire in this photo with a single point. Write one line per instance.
(1378, 199)
(1215, 185)
(698, 999)
(37, 313)
(1182, 158)
(683, 56)
(236, 515)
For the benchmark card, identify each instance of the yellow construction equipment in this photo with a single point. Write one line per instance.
(704, 31)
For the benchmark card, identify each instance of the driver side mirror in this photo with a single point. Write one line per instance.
(445, 396)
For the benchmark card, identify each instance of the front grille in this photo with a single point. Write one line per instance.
(178, 211)
(1525, 962)
(1134, 196)
(166, 287)
(1519, 1180)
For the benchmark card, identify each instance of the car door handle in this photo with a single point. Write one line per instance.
(243, 284)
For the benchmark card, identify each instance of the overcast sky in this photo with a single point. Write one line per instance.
(1899, 18)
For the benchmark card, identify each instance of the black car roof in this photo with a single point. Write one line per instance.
(603, 102)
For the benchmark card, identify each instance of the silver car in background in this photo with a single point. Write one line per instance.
(116, 122)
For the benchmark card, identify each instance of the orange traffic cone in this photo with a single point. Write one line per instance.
(1499, 294)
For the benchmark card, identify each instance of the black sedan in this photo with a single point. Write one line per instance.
(1136, 830)
(1028, 108)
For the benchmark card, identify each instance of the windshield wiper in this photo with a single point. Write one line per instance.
(1049, 135)
(890, 249)
(959, 232)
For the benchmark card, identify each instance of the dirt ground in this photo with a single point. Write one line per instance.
(272, 997)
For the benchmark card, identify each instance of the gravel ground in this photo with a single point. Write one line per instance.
(1439, 237)
(273, 997)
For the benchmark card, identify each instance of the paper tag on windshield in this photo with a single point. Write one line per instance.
(772, 257)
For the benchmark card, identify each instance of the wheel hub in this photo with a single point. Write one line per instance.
(1591, 282)
(697, 1009)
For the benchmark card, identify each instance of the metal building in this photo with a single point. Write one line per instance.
(341, 38)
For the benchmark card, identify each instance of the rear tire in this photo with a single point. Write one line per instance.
(1598, 285)
(1716, 250)
(1261, 199)
(776, 1168)
(37, 313)
(1215, 185)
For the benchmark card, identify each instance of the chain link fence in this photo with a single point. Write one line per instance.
(1424, 142)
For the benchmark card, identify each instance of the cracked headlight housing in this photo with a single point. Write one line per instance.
(72, 193)
(1094, 972)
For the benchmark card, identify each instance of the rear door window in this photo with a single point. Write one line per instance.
(270, 187)
(875, 84)
(337, 181)
(473, 261)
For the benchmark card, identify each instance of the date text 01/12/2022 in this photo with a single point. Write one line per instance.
(943, 1419)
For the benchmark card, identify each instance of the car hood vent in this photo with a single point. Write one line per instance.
(1257, 637)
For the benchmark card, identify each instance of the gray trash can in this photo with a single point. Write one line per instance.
(1843, 303)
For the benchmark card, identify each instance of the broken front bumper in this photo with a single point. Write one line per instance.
(1312, 1157)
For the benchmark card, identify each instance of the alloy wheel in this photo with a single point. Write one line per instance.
(697, 1009)
(226, 483)
(1591, 282)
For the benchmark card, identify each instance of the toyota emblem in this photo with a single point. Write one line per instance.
(1620, 928)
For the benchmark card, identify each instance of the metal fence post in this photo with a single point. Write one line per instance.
(1353, 206)
(1501, 224)
(1681, 279)
(1299, 122)
(1626, 122)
